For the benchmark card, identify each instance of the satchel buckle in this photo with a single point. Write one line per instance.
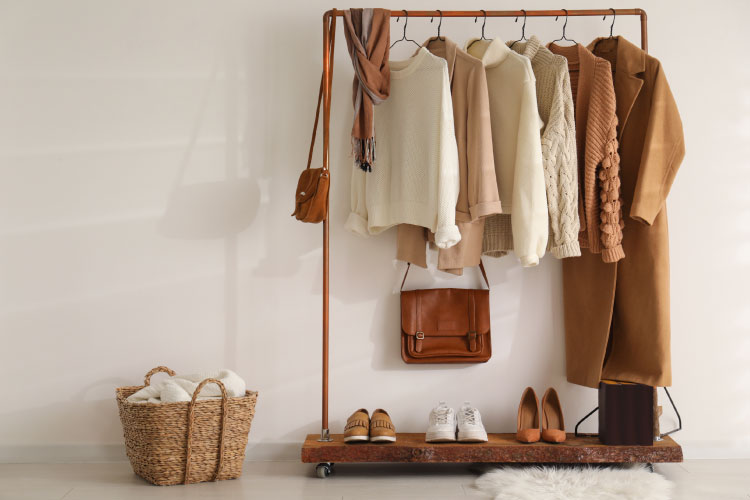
(420, 335)
(472, 341)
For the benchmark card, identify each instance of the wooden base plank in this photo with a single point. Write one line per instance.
(501, 448)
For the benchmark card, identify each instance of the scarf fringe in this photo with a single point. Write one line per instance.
(364, 153)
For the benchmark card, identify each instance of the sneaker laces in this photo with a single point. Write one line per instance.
(441, 414)
(470, 415)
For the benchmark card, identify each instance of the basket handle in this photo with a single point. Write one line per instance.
(191, 411)
(147, 380)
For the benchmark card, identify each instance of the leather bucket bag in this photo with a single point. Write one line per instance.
(445, 325)
(311, 197)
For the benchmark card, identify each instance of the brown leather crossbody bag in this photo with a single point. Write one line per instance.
(311, 197)
(445, 325)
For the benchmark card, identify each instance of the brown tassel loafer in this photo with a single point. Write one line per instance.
(381, 427)
(357, 427)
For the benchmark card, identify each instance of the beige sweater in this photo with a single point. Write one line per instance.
(477, 195)
(517, 149)
(415, 176)
(555, 102)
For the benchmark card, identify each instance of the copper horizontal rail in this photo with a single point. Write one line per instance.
(517, 13)
(510, 13)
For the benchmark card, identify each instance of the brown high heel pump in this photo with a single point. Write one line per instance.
(528, 417)
(553, 425)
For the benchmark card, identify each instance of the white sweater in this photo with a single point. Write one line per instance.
(517, 146)
(414, 178)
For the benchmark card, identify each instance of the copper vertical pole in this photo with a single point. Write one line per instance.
(644, 31)
(324, 431)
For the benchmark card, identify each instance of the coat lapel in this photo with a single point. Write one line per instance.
(630, 63)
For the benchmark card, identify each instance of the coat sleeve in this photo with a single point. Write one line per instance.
(663, 151)
(446, 232)
(529, 216)
(482, 190)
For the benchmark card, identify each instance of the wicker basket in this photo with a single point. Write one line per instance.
(186, 442)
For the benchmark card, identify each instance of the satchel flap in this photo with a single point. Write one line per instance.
(308, 183)
(444, 312)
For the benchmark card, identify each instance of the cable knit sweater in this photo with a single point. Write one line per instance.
(598, 161)
(415, 177)
(517, 149)
(555, 102)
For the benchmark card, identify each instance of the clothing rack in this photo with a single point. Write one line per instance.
(326, 450)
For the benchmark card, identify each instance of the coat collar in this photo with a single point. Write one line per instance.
(491, 53)
(629, 63)
(446, 49)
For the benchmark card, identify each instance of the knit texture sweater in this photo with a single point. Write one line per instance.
(517, 150)
(559, 156)
(478, 196)
(598, 161)
(415, 176)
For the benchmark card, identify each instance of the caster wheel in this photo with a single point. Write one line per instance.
(324, 470)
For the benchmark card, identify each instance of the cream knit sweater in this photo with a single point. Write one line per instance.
(517, 149)
(415, 176)
(556, 109)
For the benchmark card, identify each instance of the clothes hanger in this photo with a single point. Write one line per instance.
(438, 33)
(563, 37)
(523, 30)
(403, 38)
(483, 23)
(611, 27)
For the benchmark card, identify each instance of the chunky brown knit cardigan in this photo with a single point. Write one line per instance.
(598, 162)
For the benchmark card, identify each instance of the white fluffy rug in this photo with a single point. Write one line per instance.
(575, 483)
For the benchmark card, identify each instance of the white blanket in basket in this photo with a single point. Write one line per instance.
(182, 387)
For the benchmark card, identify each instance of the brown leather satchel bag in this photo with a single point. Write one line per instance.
(311, 198)
(445, 325)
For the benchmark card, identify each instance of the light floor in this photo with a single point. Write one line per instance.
(695, 479)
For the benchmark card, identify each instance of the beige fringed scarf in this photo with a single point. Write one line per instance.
(368, 40)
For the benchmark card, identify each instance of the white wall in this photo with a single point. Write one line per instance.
(148, 156)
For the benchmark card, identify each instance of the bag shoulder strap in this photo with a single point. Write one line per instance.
(315, 126)
(484, 273)
(481, 268)
(320, 93)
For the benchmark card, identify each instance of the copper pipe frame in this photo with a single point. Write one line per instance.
(329, 17)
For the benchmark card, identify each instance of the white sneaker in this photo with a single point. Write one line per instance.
(442, 427)
(470, 428)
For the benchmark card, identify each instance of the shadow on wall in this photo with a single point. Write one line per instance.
(282, 105)
(217, 209)
(210, 210)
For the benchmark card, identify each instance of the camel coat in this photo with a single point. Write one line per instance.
(617, 314)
